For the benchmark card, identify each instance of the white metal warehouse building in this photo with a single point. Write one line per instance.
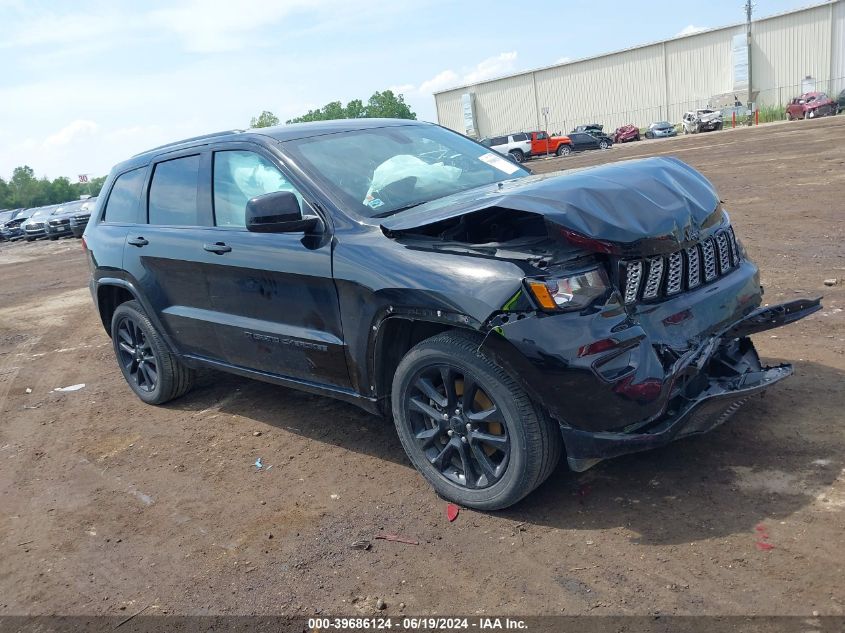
(791, 53)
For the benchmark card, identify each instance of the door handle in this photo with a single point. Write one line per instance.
(217, 247)
(137, 241)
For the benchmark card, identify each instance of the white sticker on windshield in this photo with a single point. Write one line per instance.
(375, 203)
(502, 164)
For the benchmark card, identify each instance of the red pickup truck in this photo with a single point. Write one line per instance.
(542, 144)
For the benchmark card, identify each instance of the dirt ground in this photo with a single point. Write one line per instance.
(108, 505)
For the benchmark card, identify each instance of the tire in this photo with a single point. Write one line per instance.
(134, 337)
(507, 453)
(517, 155)
(30, 239)
(54, 237)
(717, 127)
(603, 144)
(563, 150)
(637, 137)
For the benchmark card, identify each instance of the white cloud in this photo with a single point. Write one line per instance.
(491, 67)
(402, 88)
(41, 28)
(690, 29)
(71, 132)
(440, 81)
(501, 64)
(213, 26)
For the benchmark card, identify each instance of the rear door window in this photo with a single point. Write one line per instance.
(122, 205)
(174, 196)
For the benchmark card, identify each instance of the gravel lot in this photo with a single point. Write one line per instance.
(108, 505)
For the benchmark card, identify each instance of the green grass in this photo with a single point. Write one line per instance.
(772, 113)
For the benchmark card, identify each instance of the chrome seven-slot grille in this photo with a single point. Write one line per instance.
(660, 277)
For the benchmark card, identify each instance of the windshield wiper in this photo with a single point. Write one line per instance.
(384, 214)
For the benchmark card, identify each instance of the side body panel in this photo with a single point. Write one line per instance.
(379, 279)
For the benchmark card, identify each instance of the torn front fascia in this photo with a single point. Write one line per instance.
(707, 385)
(717, 398)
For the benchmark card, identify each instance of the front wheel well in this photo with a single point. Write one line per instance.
(395, 339)
(108, 299)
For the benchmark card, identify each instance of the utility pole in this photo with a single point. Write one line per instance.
(748, 8)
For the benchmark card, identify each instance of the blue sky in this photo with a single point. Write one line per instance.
(85, 84)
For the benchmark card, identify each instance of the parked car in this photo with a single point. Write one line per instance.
(543, 143)
(500, 318)
(590, 128)
(702, 120)
(660, 129)
(5, 216)
(35, 226)
(79, 220)
(516, 146)
(840, 102)
(811, 105)
(11, 229)
(626, 133)
(582, 141)
(58, 224)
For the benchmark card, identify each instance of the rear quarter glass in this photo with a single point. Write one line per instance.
(122, 204)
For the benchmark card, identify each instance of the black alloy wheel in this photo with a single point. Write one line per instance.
(154, 373)
(468, 427)
(459, 428)
(136, 355)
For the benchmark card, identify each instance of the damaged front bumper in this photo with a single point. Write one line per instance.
(708, 386)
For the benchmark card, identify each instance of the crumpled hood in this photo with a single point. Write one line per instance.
(661, 201)
(711, 116)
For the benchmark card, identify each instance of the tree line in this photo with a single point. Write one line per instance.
(25, 190)
(381, 105)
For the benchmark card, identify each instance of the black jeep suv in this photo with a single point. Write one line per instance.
(499, 317)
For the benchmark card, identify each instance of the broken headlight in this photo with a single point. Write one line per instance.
(573, 291)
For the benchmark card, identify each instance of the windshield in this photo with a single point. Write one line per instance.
(379, 171)
(68, 207)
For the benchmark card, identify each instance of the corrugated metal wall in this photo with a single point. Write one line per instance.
(788, 48)
(603, 85)
(837, 52)
(697, 68)
(663, 80)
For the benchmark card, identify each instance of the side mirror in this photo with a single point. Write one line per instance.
(277, 212)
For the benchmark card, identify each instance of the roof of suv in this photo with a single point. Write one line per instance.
(281, 133)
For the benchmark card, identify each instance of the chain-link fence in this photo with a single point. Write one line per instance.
(770, 104)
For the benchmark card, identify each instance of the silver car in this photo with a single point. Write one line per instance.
(660, 129)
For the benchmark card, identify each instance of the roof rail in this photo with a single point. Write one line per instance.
(202, 137)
